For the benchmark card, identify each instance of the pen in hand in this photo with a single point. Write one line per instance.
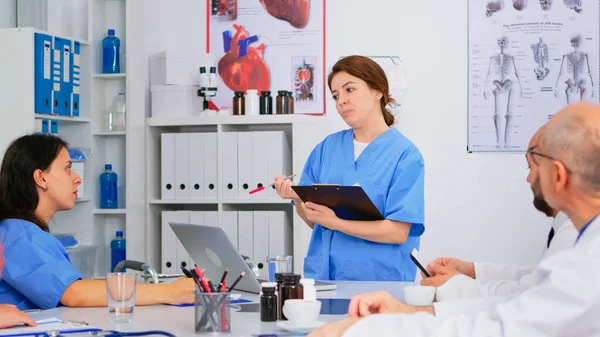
(273, 184)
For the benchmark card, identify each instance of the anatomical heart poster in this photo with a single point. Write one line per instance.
(527, 60)
(269, 45)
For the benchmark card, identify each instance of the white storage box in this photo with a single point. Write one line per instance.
(84, 259)
(166, 68)
(176, 101)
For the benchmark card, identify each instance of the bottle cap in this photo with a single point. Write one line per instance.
(279, 277)
(108, 166)
(307, 281)
(111, 32)
(291, 94)
(265, 93)
(282, 92)
(268, 285)
(119, 233)
(239, 94)
(202, 70)
(213, 70)
(290, 277)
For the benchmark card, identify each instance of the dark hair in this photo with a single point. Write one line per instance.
(18, 193)
(369, 71)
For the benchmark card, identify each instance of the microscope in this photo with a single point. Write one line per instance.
(208, 86)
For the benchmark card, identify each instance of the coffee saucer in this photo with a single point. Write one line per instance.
(305, 328)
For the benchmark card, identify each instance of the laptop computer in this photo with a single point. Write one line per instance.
(211, 249)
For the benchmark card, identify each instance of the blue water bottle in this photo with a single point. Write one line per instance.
(117, 250)
(111, 46)
(108, 188)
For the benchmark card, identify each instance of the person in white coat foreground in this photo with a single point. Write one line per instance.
(565, 300)
(456, 279)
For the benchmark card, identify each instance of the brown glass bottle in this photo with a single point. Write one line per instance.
(291, 97)
(266, 103)
(239, 103)
(291, 289)
(282, 103)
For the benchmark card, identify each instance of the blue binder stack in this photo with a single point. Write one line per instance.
(66, 89)
(43, 72)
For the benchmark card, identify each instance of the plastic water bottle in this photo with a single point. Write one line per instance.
(117, 250)
(108, 188)
(111, 46)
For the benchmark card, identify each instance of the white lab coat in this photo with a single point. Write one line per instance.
(565, 301)
(506, 279)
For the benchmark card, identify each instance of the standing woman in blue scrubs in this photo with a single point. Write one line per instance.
(36, 181)
(389, 168)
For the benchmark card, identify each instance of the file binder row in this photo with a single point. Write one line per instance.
(57, 75)
(249, 160)
(189, 166)
(255, 234)
(252, 160)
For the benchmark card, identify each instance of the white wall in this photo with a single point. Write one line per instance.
(478, 206)
(8, 13)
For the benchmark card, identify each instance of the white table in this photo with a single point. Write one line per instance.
(180, 320)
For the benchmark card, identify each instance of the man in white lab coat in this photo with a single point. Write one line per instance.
(456, 279)
(565, 300)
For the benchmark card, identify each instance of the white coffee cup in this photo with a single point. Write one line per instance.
(419, 295)
(302, 312)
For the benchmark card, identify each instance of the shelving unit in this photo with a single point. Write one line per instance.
(108, 147)
(295, 128)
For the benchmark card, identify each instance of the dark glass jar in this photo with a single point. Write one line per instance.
(282, 103)
(268, 303)
(291, 97)
(279, 281)
(265, 104)
(239, 103)
(291, 289)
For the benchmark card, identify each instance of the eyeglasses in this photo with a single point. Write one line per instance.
(532, 152)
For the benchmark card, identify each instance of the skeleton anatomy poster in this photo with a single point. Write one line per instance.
(527, 60)
(269, 45)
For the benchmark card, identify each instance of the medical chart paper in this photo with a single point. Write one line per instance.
(527, 60)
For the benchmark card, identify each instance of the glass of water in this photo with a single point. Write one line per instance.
(120, 290)
(279, 264)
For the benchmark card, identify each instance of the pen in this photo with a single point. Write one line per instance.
(202, 280)
(273, 184)
(222, 283)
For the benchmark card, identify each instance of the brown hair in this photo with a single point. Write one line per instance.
(369, 71)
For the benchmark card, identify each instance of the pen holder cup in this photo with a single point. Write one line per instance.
(212, 313)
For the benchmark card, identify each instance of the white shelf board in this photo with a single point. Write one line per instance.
(83, 199)
(256, 201)
(69, 119)
(109, 133)
(182, 202)
(232, 120)
(110, 211)
(213, 202)
(35, 30)
(110, 76)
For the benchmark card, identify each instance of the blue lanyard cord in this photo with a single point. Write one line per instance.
(108, 333)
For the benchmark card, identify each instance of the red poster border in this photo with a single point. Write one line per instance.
(208, 11)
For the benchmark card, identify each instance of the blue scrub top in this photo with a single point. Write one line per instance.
(37, 268)
(391, 172)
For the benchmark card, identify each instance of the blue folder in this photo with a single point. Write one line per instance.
(66, 88)
(56, 75)
(75, 78)
(43, 73)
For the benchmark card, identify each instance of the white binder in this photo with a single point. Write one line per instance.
(260, 156)
(261, 239)
(168, 245)
(280, 233)
(183, 257)
(280, 159)
(246, 233)
(197, 170)
(245, 151)
(182, 166)
(230, 225)
(230, 165)
(210, 166)
(167, 167)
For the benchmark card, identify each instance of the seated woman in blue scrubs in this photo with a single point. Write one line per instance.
(384, 163)
(36, 181)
